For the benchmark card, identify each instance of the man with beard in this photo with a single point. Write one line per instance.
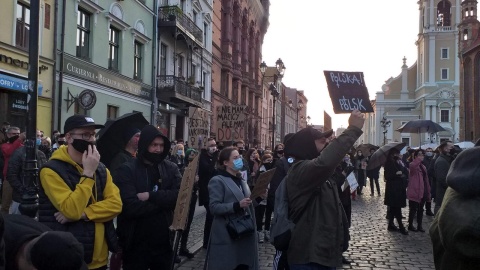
(14, 141)
(149, 186)
(206, 170)
(77, 193)
(442, 165)
(321, 231)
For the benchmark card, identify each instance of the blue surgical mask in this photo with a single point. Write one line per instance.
(179, 152)
(238, 164)
(39, 141)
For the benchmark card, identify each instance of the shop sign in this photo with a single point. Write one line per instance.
(87, 71)
(16, 84)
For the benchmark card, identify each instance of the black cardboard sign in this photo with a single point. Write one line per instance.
(348, 91)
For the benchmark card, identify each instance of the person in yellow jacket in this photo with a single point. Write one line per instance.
(77, 193)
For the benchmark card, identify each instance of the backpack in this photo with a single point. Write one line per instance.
(282, 226)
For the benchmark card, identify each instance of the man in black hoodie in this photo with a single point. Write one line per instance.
(149, 186)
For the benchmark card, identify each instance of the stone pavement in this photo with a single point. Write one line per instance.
(371, 245)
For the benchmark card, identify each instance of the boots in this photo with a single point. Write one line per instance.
(428, 212)
(402, 229)
(185, 252)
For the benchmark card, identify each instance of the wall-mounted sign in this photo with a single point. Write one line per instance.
(17, 84)
(87, 99)
(88, 71)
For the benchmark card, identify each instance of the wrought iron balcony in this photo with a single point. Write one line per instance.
(176, 89)
(173, 16)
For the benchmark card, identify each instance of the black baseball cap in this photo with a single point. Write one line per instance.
(79, 121)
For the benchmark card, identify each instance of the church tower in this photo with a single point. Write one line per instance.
(438, 65)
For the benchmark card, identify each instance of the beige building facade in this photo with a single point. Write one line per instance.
(428, 89)
(14, 64)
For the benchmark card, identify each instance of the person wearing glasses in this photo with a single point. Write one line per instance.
(77, 194)
(15, 140)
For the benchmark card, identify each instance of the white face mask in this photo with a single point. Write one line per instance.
(212, 149)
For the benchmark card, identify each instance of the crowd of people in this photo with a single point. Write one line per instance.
(80, 198)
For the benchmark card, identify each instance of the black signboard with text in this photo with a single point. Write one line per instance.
(348, 91)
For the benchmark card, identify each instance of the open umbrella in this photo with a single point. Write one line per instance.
(110, 140)
(380, 156)
(465, 145)
(365, 148)
(420, 126)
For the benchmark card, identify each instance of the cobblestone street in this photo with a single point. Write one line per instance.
(371, 245)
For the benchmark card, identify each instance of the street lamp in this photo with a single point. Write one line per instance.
(277, 77)
(298, 108)
(384, 123)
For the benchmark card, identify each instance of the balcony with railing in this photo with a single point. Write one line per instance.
(176, 89)
(173, 16)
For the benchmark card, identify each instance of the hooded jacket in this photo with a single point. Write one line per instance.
(318, 236)
(73, 203)
(146, 223)
(455, 230)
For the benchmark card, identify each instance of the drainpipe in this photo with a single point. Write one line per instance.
(60, 80)
(54, 76)
(154, 65)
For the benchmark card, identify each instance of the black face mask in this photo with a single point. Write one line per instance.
(280, 152)
(241, 151)
(153, 157)
(81, 145)
(12, 139)
(44, 148)
(268, 166)
(61, 143)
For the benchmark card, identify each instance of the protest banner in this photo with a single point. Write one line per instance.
(180, 215)
(198, 127)
(348, 91)
(230, 123)
(261, 184)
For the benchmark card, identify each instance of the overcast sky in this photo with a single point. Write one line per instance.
(371, 36)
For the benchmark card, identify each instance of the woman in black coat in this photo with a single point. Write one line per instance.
(395, 190)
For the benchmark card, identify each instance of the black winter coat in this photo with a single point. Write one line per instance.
(146, 223)
(206, 170)
(395, 186)
(15, 172)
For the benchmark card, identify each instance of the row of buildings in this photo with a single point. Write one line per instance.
(174, 61)
(443, 85)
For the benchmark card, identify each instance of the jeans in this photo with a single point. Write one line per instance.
(310, 266)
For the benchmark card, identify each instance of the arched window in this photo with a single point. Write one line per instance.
(444, 13)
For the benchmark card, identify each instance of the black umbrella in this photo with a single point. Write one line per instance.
(110, 138)
(365, 148)
(420, 126)
(380, 156)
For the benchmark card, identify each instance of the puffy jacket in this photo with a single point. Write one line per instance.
(75, 196)
(417, 182)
